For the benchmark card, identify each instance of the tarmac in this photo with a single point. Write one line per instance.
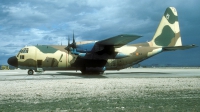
(136, 89)
(125, 73)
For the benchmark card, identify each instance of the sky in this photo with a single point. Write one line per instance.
(44, 22)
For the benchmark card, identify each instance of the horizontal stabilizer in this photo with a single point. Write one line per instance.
(119, 40)
(178, 47)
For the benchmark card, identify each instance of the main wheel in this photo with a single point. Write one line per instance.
(83, 70)
(30, 72)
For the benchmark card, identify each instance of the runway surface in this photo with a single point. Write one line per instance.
(126, 73)
(137, 89)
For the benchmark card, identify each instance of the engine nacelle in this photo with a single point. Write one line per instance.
(85, 47)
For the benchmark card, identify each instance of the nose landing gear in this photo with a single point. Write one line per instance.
(30, 72)
(38, 70)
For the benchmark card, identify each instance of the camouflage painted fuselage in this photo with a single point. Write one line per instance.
(55, 57)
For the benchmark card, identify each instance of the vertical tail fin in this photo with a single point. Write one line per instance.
(168, 31)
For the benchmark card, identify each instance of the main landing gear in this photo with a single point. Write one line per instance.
(95, 73)
(93, 70)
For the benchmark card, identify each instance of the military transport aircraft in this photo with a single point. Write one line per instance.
(98, 56)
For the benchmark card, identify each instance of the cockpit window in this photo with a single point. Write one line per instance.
(24, 50)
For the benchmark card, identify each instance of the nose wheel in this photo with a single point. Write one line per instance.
(30, 72)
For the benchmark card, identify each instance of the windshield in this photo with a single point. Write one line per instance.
(24, 50)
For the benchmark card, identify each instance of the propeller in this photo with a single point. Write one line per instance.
(72, 45)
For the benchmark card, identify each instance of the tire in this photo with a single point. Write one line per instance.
(83, 70)
(30, 72)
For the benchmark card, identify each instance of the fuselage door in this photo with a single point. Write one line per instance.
(39, 63)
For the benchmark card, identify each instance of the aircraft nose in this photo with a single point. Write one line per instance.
(13, 61)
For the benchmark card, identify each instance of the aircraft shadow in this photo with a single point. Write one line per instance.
(106, 75)
(80, 75)
(135, 73)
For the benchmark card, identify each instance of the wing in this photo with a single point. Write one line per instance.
(104, 49)
(119, 40)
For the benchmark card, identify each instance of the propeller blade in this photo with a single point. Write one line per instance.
(73, 43)
(68, 40)
(68, 46)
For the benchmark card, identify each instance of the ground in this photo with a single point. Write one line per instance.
(110, 92)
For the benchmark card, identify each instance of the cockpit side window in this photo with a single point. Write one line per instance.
(21, 56)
